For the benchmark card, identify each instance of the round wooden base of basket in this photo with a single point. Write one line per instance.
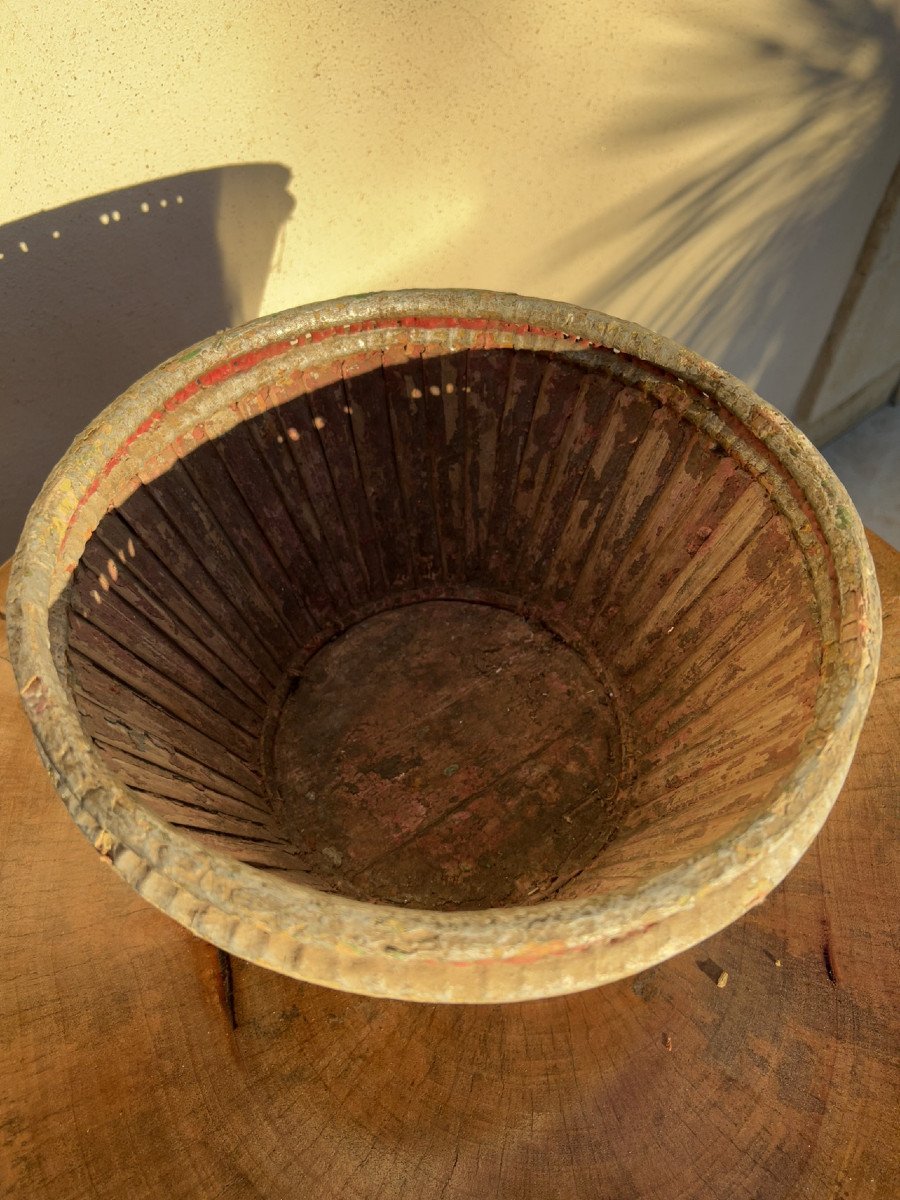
(446, 755)
(138, 1061)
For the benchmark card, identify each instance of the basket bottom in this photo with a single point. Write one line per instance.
(446, 755)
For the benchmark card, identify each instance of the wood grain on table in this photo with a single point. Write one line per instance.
(138, 1062)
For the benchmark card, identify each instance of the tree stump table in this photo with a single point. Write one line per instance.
(137, 1061)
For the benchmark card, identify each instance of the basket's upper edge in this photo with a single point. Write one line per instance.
(511, 953)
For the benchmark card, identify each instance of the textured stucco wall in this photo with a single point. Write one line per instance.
(702, 169)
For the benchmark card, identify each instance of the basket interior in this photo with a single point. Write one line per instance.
(450, 628)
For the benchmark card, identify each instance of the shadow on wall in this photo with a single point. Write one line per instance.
(788, 132)
(99, 291)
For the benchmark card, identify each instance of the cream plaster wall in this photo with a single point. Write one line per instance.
(707, 168)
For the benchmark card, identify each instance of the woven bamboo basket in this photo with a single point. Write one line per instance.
(445, 645)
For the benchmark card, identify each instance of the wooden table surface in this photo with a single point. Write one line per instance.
(136, 1061)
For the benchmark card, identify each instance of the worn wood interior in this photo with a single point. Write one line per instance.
(457, 629)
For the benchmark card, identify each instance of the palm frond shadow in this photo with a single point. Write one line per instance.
(734, 257)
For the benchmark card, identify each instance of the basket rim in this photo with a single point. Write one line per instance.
(383, 949)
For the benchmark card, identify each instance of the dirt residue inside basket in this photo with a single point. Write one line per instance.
(446, 755)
